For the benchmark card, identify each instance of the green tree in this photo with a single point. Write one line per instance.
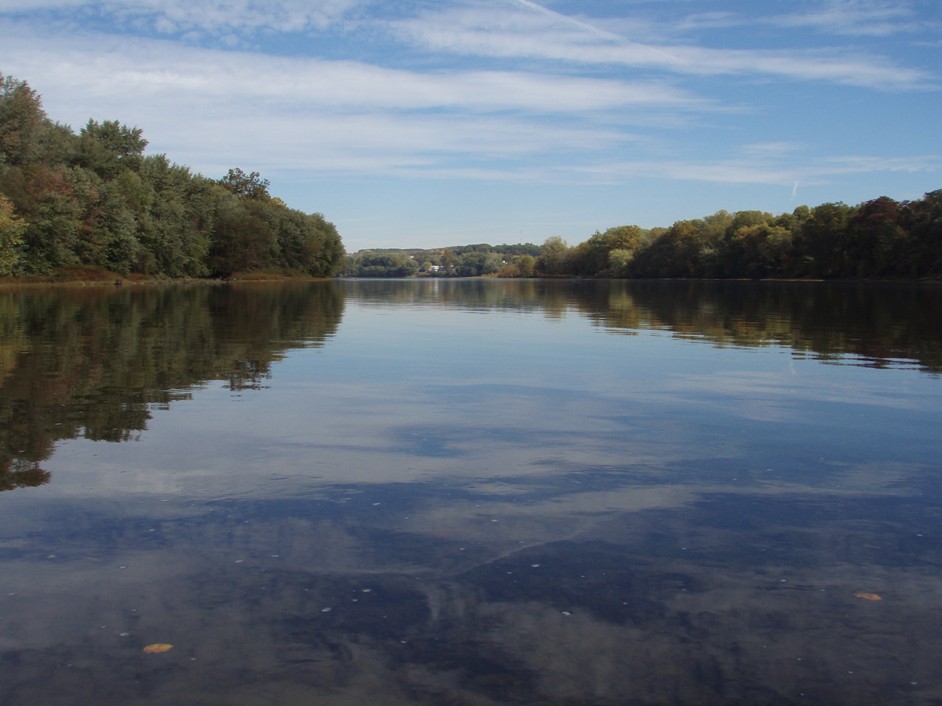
(179, 215)
(108, 148)
(55, 217)
(824, 242)
(246, 186)
(241, 241)
(11, 237)
(382, 264)
(675, 252)
(924, 221)
(876, 238)
(553, 256)
(526, 265)
(757, 250)
(592, 257)
(22, 120)
(477, 263)
(620, 261)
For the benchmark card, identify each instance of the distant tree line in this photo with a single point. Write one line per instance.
(878, 239)
(456, 261)
(94, 201)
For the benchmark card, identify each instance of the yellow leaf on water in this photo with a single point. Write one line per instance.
(158, 647)
(869, 596)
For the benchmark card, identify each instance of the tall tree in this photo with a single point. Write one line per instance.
(246, 186)
(108, 148)
(21, 122)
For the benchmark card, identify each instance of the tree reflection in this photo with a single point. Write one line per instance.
(17, 473)
(880, 325)
(94, 362)
(877, 323)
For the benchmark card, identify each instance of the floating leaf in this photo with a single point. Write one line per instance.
(869, 596)
(157, 648)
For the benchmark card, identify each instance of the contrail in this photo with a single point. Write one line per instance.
(536, 7)
(571, 20)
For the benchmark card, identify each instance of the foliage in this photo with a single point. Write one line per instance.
(381, 264)
(477, 260)
(246, 186)
(554, 257)
(881, 238)
(11, 230)
(96, 200)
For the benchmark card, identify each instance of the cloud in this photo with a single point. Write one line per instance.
(206, 16)
(860, 18)
(577, 104)
(212, 109)
(766, 169)
(204, 106)
(526, 30)
(855, 18)
(111, 65)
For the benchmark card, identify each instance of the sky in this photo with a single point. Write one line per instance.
(429, 123)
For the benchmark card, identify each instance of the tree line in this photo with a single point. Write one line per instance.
(475, 260)
(878, 239)
(93, 201)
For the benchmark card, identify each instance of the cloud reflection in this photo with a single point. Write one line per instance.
(477, 503)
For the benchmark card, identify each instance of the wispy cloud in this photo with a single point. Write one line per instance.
(211, 108)
(345, 116)
(862, 18)
(854, 18)
(146, 67)
(767, 170)
(205, 16)
(648, 95)
(526, 30)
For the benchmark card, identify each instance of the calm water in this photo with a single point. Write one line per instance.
(471, 492)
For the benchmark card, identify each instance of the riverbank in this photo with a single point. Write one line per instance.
(95, 277)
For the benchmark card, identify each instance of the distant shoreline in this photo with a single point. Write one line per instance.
(117, 281)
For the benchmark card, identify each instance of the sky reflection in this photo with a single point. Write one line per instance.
(474, 505)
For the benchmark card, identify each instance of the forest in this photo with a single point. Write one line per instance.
(93, 203)
(878, 239)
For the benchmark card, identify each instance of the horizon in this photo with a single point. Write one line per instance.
(507, 121)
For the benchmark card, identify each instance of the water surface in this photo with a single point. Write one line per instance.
(471, 492)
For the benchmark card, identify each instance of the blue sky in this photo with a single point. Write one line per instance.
(443, 122)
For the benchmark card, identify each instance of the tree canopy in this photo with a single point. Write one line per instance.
(96, 200)
(876, 239)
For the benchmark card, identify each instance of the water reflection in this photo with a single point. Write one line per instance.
(471, 493)
(879, 324)
(94, 362)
